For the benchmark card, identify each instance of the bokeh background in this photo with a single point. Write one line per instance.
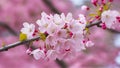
(105, 53)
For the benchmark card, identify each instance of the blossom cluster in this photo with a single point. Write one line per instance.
(60, 36)
(105, 14)
(110, 17)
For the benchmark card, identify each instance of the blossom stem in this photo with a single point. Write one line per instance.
(98, 24)
(6, 47)
(93, 24)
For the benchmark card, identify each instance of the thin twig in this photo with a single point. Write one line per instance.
(98, 24)
(5, 48)
(113, 31)
(93, 24)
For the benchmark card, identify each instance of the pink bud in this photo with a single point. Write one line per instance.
(118, 18)
(94, 2)
(29, 51)
(97, 17)
(103, 25)
(85, 8)
(110, 0)
(71, 34)
(103, 2)
(65, 26)
(101, 9)
(84, 41)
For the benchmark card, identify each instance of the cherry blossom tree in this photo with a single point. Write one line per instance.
(59, 35)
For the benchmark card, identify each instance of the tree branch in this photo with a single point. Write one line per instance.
(61, 63)
(8, 28)
(6, 47)
(98, 24)
(51, 6)
(93, 24)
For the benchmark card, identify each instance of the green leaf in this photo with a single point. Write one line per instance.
(22, 37)
(43, 36)
(92, 15)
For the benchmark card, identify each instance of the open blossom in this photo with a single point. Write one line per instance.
(66, 18)
(43, 22)
(28, 29)
(38, 54)
(109, 17)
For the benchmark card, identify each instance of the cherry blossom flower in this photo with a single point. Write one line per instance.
(52, 28)
(38, 54)
(89, 43)
(75, 26)
(58, 21)
(66, 18)
(109, 17)
(28, 29)
(43, 22)
(51, 54)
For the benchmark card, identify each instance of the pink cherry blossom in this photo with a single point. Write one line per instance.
(109, 17)
(28, 29)
(66, 18)
(38, 54)
(51, 54)
(52, 28)
(43, 23)
(64, 36)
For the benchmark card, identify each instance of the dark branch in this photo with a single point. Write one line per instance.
(5, 48)
(98, 24)
(61, 63)
(113, 31)
(51, 6)
(93, 24)
(2, 24)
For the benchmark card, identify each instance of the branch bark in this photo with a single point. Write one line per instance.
(5, 48)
